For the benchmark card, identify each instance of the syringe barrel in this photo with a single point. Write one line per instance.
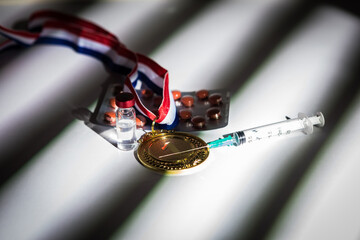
(273, 130)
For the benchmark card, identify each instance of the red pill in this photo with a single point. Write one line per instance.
(187, 100)
(215, 99)
(176, 94)
(198, 122)
(110, 117)
(202, 94)
(112, 103)
(213, 113)
(185, 114)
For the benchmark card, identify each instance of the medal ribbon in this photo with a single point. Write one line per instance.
(51, 27)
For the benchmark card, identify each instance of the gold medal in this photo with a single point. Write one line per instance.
(157, 151)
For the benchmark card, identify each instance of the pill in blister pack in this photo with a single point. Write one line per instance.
(196, 110)
(202, 110)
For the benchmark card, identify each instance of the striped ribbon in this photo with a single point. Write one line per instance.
(51, 27)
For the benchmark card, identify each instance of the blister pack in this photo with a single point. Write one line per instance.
(196, 111)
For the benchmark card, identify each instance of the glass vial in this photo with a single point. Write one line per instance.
(125, 121)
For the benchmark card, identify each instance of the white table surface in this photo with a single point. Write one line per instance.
(62, 180)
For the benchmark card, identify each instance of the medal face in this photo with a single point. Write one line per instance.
(154, 145)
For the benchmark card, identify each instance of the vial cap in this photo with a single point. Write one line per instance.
(125, 100)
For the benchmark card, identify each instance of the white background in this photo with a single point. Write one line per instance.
(64, 181)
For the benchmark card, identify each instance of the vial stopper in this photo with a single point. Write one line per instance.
(125, 100)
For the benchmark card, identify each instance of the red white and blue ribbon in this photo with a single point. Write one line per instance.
(51, 27)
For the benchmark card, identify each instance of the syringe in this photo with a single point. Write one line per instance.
(302, 123)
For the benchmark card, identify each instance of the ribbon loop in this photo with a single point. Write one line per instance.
(85, 37)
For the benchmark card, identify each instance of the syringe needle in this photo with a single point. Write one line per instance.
(188, 150)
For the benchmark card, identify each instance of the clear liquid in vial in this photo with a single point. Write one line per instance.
(126, 134)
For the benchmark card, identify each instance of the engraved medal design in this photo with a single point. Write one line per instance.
(153, 145)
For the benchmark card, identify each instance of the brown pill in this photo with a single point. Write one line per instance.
(202, 94)
(187, 100)
(110, 117)
(176, 94)
(185, 114)
(140, 121)
(147, 93)
(198, 122)
(157, 101)
(213, 113)
(215, 99)
(112, 103)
